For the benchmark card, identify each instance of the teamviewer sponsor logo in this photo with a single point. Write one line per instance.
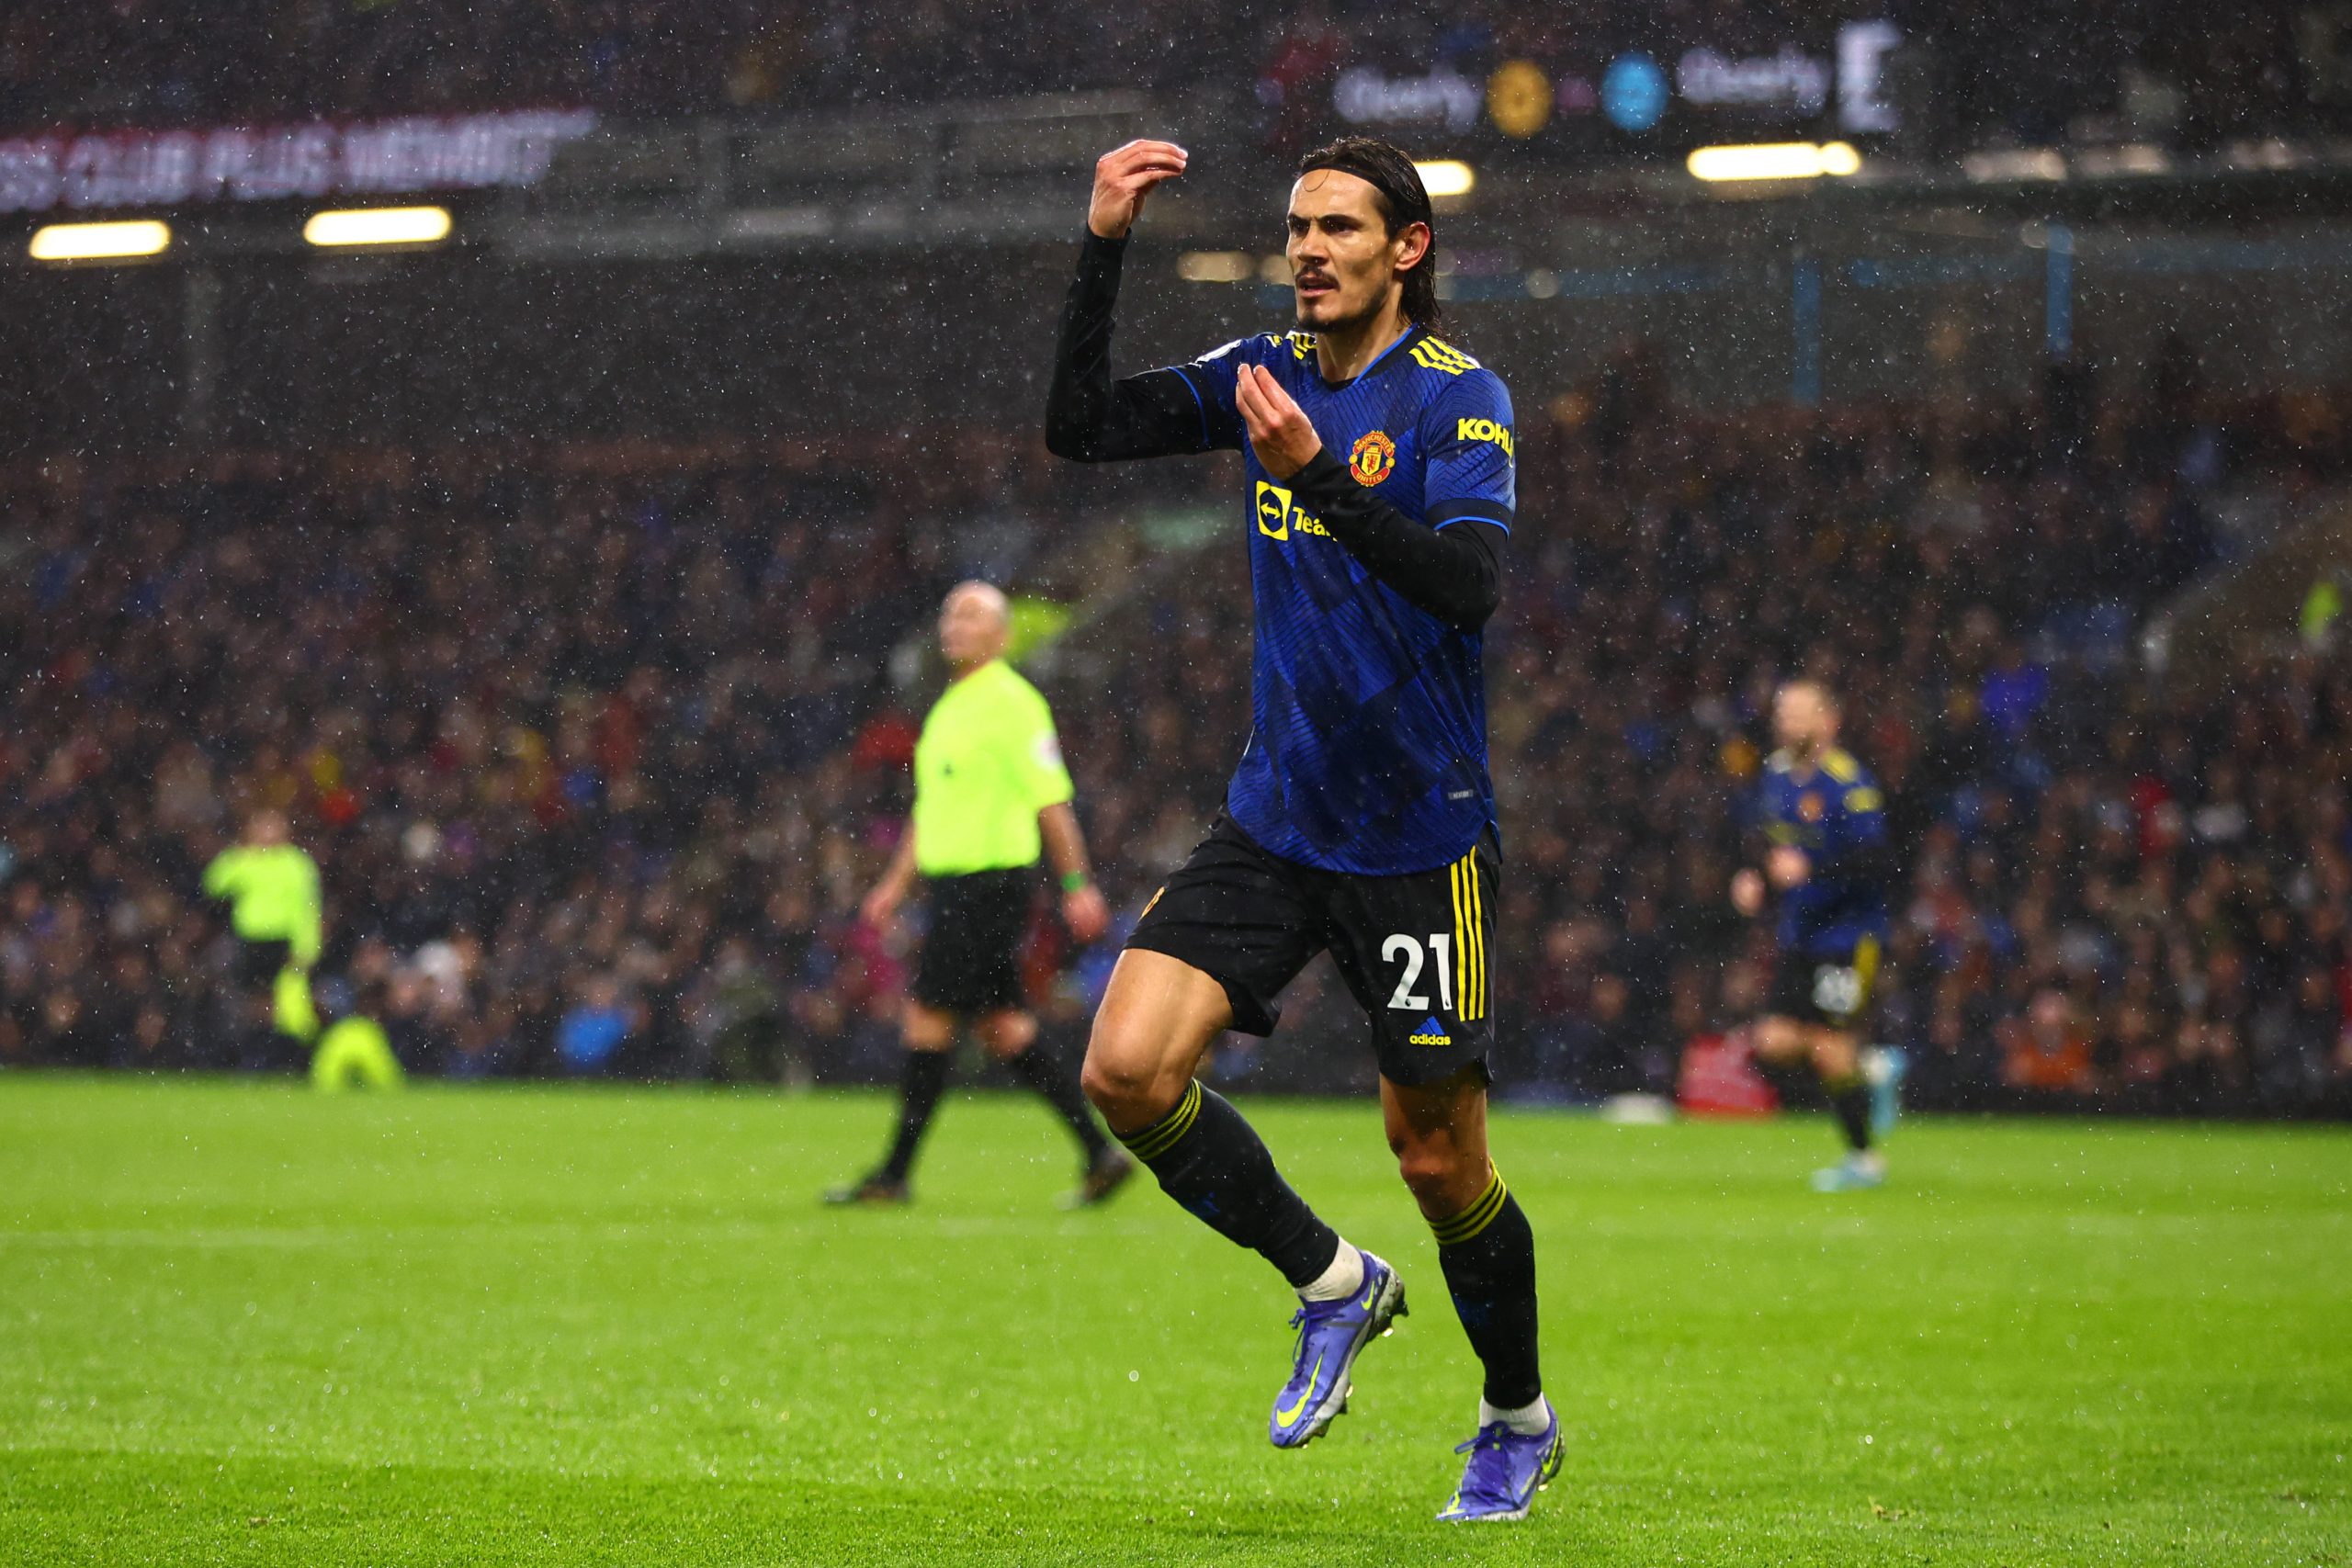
(1277, 517)
(1273, 511)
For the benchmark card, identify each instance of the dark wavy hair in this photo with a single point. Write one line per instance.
(1388, 170)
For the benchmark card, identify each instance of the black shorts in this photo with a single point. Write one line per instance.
(1412, 949)
(255, 967)
(1831, 987)
(970, 962)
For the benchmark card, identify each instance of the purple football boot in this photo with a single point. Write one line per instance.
(1505, 1472)
(1331, 1334)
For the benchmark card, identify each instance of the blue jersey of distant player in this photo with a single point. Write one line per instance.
(1368, 748)
(1834, 812)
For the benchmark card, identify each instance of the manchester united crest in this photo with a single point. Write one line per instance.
(1373, 458)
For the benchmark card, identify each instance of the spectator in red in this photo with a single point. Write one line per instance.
(2046, 1052)
(1294, 88)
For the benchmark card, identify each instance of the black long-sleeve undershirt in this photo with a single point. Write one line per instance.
(1089, 417)
(1454, 573)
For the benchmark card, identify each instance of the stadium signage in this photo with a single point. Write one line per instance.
(1633, 92)
(104, 170)
(1794, 84)
(1789, 80)
(1366, 96)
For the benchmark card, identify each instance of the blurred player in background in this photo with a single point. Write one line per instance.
(1361, 818)
(1828, 858)
(271, 885)
(990, 792)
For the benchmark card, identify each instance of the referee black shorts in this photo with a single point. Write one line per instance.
(1412, 949)
(254, 971)
(970, 962)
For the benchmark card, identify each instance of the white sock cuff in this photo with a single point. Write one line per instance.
(1339, 1281)
(1527, 1420)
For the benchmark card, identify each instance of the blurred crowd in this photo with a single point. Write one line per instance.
(2116, 890)
(598, 746)
(590, 744)
(2019, 70)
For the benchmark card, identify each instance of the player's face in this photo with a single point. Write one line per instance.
(971, 629)
(1802, 719)
(1343, 261)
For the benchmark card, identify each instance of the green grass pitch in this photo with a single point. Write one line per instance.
(242, 1324)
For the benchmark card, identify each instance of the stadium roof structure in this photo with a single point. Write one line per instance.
(556, 186)
(633, 274)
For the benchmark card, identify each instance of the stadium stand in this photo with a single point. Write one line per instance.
(2001, 70)
(598, 744)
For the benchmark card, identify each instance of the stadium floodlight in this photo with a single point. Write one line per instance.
(379, 226)
(1775, 161)
(1217, 266)
(100, 241)
(1446, 176)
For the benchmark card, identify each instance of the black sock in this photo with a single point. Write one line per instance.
(1851, 1102)
(919, 1093)
(1050, 1076)
(1789, 1082)
(1488, 1254)
(1210, 1161)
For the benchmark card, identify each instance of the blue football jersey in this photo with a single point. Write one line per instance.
(1834, 812)
(1368, 747)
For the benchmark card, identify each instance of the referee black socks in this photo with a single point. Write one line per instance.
(1052, 1078)
(1487, 1252)
(1213, 1164)
(924, 1079)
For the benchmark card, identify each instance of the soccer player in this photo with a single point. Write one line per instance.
(1828, 858)
(989, 790)
(1360, 820)
(272, 889)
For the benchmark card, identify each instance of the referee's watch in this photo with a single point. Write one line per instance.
(1073, 881)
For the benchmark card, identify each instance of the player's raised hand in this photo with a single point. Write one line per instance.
(1280, 432)
(1123, 177)
(1788, 866)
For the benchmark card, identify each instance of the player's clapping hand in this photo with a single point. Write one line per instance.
(1787, 866)
(1280, 432)
(1086, 912)
(1123, 177)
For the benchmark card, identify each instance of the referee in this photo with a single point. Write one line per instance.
(991, 789)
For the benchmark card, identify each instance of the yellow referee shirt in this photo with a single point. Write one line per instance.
(987, 763)
(273, 892)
